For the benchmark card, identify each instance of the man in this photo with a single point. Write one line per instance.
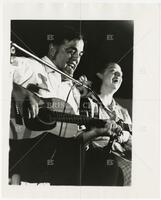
(41, 156)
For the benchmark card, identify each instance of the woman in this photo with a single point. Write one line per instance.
(101, 165)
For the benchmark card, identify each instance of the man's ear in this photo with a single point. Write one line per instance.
(52, 50)
(99, 75)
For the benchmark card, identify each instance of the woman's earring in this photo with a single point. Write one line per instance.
(53, 53)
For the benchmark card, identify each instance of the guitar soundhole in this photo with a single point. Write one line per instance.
(46, 116)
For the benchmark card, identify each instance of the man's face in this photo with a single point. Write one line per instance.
(68, 55)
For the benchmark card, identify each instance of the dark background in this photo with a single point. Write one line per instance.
(32, 35)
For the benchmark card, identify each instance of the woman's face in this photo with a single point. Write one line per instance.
(112, 77)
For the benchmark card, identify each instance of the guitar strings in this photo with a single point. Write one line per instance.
(65, 105)
(60, 131)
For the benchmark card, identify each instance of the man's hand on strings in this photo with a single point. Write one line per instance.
(26, 101)
(110, 129)
(113, 128)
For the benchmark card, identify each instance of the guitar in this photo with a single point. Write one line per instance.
(55, 114)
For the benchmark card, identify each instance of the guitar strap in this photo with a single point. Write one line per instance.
(112, 116)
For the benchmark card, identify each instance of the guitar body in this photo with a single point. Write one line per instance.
(34, 127)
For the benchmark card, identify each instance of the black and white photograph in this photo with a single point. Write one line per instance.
(79, 99)
(71, 130)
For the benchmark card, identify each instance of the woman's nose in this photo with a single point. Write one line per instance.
(117, 74)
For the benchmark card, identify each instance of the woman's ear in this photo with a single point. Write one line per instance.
(99, 75)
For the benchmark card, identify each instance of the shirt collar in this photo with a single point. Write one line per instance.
(49, 70)
(113, 103)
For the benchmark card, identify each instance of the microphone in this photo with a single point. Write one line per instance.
(85, 88)
(83, 79)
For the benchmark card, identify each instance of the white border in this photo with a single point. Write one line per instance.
(146, 92)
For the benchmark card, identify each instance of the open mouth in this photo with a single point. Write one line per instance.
(115, 80)
(70, 68)
(71, 65)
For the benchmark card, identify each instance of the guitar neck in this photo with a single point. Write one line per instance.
(69, 118)
(48, 113)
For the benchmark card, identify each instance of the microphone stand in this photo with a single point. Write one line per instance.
(47, 64)
(94, 96)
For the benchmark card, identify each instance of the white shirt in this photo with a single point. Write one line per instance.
(118, 112)
(29, 71)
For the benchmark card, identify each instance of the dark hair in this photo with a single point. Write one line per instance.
(97, 82)
(65, 33)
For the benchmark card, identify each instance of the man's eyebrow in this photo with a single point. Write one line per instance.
(74, 48)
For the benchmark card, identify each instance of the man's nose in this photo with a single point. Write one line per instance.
(75, 57)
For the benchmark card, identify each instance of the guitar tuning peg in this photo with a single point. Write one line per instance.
(13, 50)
